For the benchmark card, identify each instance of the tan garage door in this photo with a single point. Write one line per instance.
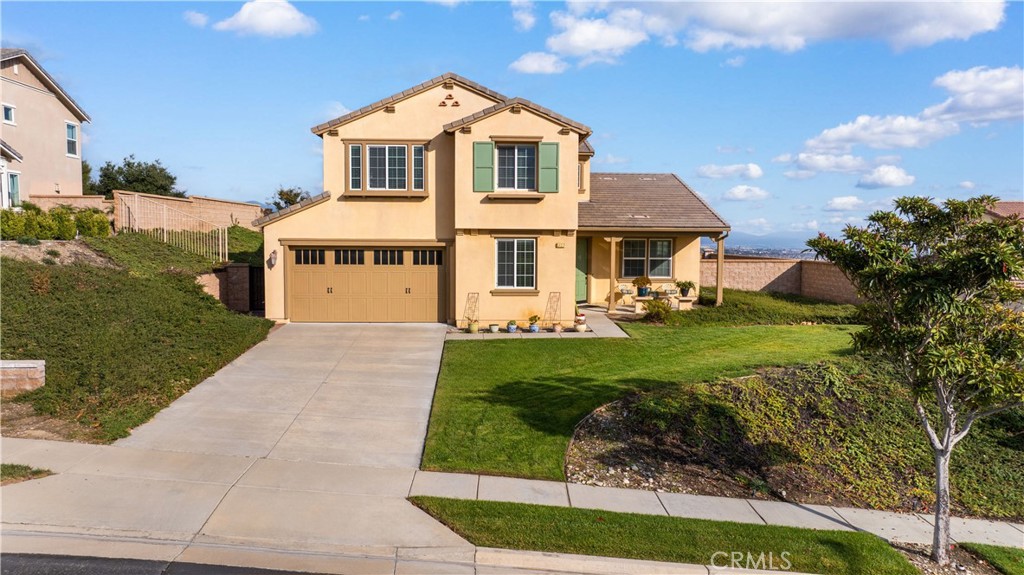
(365, 284)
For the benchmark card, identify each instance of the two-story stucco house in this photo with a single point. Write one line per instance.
(40, 135)
(450, 200)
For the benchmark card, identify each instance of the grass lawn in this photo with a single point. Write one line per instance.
(13, 473)
(756, 308)
(592, 532)
(509, 407)
(1008, 560)
(245, 246)
(119, 344)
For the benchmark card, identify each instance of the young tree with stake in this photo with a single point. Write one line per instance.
(941, 307)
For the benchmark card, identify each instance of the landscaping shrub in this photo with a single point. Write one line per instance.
(658, 311)
(40, 225)
(762, 308)
(63, 223)
(92, 223)
(28, 241)
(12, 224)
(53, 253)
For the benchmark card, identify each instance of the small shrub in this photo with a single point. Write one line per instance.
(63, 223)
(40, 226)
(31, 208)
(658, 311)
(49, 261)
(92, 223)
(39, 282)
(12, 224)
(53, 253)
(28, 241)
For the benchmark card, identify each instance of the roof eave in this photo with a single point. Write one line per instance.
(62, 95)
(687, 230)
(268, 219)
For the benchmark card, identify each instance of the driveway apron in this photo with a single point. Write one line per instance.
(307, 442)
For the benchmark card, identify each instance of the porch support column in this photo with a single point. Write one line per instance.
(612, 276)
(720, 268)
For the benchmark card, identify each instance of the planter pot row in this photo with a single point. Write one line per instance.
(474, 327)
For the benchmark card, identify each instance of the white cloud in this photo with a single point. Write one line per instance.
(364, 18)
(522, 13)
(799, 174)
(539, 63)
(197, 19)
(736, 61)
(746, 194)
(967, 185)
(611, 159)
(844, 163)
(395, 15)
(885, 176)
(852, 220)
(844, 204)
(882, 132)
(597, 39)
(758, 226)
(273, 18)
(335, 109)
(808, 226)
(981, 94)
(746, 171)
(603, 31)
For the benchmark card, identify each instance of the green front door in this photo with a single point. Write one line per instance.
(582, 265)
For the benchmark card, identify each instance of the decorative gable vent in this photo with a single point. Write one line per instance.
(390, 108)
(332, 132)
(449, 85)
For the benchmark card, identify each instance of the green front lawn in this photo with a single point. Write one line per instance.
(657, 538)
(509, 407)
(1008, 560)
(13, 473)
(119, 344)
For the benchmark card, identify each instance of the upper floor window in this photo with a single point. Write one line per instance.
(9, 114)
(72, 138)
(386, 166)
(517, 167)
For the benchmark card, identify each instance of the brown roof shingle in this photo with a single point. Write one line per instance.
(508, 103)
(355, 114)
(1007, 209)
(646, 201)
(307, 203)
(586, 149)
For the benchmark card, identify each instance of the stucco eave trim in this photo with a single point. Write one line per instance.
(291, 210)
(638, 229)
(364, 243)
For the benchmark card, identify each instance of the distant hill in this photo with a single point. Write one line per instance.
(777, 240)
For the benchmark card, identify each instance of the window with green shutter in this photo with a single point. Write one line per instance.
(483, 166)
(548, 180)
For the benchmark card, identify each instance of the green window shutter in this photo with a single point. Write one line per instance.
(548, 167)
(483, 166)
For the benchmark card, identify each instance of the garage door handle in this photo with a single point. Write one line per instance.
(330, 290)
(408, 290)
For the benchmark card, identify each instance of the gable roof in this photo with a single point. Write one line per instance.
(508, 103)
(1007, 209)
(586, 149)
(356, 114)
(292, 209)
(646, 201)
(10, 152)
(12, 53)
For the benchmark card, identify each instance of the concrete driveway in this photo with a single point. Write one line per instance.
(308, 442)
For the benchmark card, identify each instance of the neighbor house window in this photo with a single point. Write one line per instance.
(72, 137)
(355, 167)
(652, 258)
(517, 263)
(13, 189)
(517, 167)
(9, 114)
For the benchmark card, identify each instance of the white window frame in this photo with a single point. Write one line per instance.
(387, 167)
(77, 140)
(515, 263)
(7, 189)
(515, 167)
(647, 257)
(352, 167)
(14, 114)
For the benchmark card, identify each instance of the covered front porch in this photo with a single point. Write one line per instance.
(608, 262)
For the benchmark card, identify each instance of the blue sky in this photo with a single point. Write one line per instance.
(789, 118)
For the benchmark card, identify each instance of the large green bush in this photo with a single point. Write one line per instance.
(92, 223)
(63, 223)
(12, 224)
(60, 223)
(40, 225)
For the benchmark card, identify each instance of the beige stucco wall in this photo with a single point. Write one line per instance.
(685, 264)
(39, 136)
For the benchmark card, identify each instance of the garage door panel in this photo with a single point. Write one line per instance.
(337, 288)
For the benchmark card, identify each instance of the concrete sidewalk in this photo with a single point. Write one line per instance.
(896, 527)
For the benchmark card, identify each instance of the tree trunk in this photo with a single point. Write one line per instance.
(940, 543)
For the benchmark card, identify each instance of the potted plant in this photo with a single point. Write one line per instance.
(580, 324)
(685, 287)
(472, 325)
(511, 326)
(643, 285)
(534, 328)
(556, 327)
(493, 328)
(580, 317)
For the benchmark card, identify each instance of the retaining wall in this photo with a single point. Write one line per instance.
(213, 210)
(815, 279)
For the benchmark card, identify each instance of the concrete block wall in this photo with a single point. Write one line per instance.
(823, 280)
(48, 201)
(230, 285)
(814, 279)
(213, 210)
(21, 375)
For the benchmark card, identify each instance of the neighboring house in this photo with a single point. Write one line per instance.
(450, 200)
(1003, 210)
(41, 133)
